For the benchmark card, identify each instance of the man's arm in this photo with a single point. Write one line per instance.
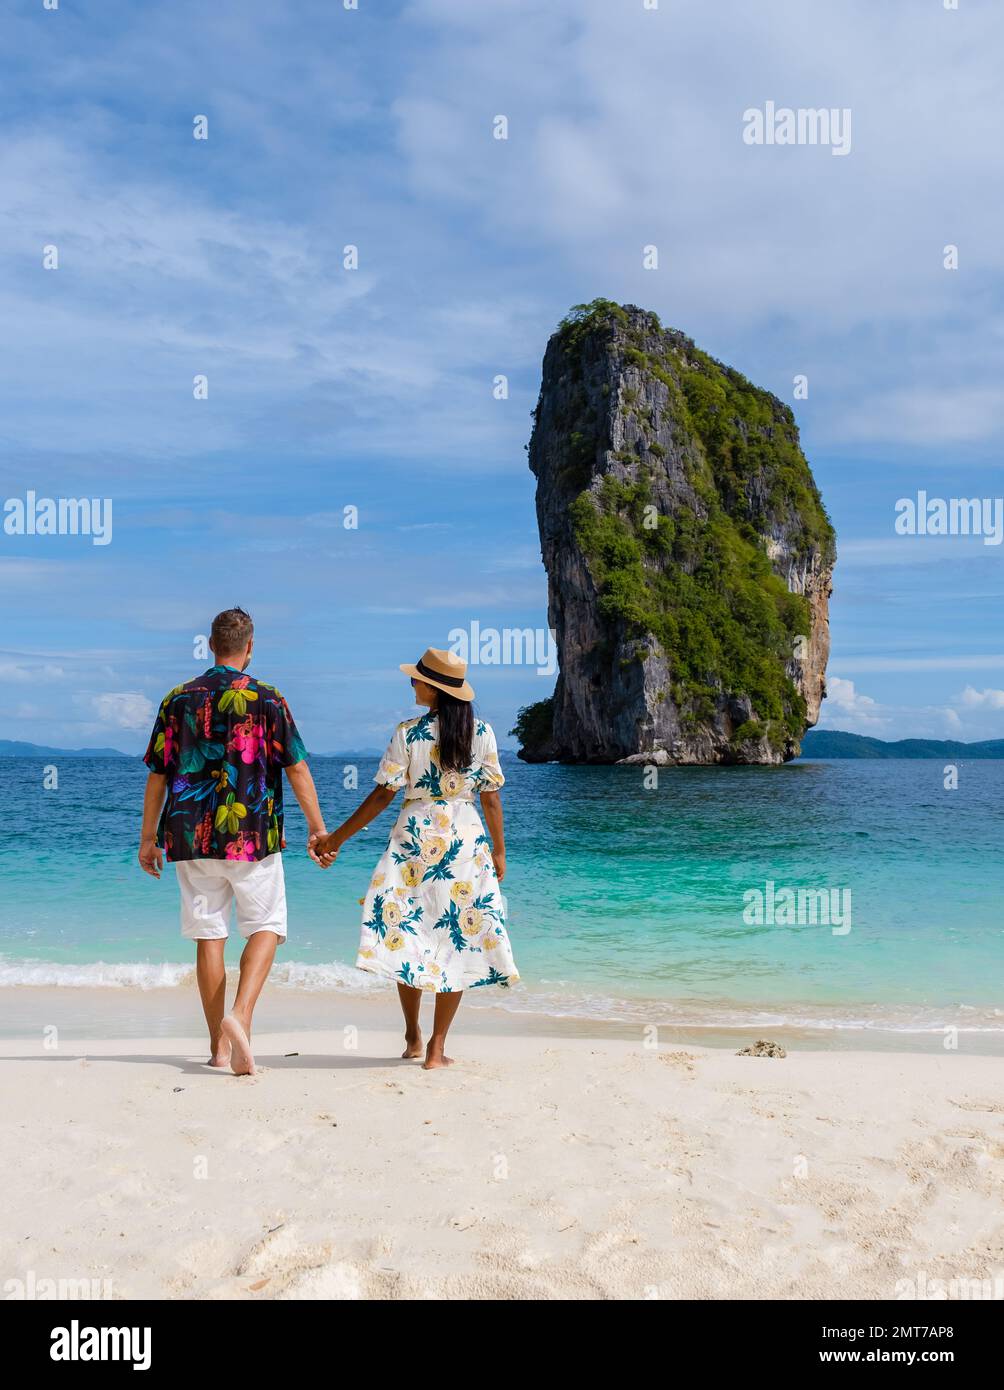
(305, 792)
(491, 804)
(151, 860)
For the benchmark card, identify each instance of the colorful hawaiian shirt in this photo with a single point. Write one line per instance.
(222, 741)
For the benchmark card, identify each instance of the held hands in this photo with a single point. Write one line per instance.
(151, 860)
(322, 849)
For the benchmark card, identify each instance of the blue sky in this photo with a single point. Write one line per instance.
(372, 387)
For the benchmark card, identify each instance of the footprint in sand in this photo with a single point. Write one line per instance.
(989, 1107)
(683, 1061)
(281, 1257)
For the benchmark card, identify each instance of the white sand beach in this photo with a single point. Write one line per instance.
(562, 1167)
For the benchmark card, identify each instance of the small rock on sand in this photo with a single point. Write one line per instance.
(762, 1048)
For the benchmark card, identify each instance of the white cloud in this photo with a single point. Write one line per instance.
(971, 715)
(916, 551)
(949, 415)
(621, 134)
(126, 709)
(981, 699)
(852, 711)
(980, 661)
(633, 138)
(259, 303)
(17, 671)
(10, 671)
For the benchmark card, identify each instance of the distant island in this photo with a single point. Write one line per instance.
(816, 743)
(833, 743)
(10, 748)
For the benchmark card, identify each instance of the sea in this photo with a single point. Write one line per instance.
(835, 898)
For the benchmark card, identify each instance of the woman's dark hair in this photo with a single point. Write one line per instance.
(456, 732)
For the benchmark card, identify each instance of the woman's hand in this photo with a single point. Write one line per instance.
(491, 804)
(321, 849)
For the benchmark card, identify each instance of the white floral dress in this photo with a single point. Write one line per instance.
(433, 917)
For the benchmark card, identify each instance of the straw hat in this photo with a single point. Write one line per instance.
(443, 670)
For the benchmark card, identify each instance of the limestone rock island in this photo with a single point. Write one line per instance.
(688, 553)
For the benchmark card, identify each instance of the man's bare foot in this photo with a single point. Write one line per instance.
(241, 1057)
(413, 1045)
(436, 1058)
(220, 1054)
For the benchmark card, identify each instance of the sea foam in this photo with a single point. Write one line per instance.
(295, 975)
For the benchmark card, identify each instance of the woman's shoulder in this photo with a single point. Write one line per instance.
(483, 732)
(419, 729)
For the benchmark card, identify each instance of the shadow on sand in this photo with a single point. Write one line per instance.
(192, 1066)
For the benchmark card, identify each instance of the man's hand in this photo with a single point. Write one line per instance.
(498, 859)
(151, 861)
(150, 858)
(317, 844)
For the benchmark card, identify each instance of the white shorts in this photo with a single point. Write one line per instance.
(209, 886)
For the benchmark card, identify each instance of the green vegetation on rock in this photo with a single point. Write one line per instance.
(533, 724)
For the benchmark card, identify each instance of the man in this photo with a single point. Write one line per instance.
(216, 757)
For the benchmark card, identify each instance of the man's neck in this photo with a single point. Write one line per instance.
(232, 663)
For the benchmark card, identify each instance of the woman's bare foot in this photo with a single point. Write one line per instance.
(435, 1057)
(413, 1045)
(241, 1056)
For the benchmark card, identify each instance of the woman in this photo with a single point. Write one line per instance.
(434, 916)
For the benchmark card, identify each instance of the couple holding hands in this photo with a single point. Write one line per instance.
(433, 916)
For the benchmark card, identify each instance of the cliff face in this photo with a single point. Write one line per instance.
(687, 550)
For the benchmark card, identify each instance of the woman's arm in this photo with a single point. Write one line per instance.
(491, 804)
(379, 799)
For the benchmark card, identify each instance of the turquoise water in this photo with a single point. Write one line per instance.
(624, 902)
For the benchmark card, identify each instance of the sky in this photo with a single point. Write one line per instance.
(373, 386)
